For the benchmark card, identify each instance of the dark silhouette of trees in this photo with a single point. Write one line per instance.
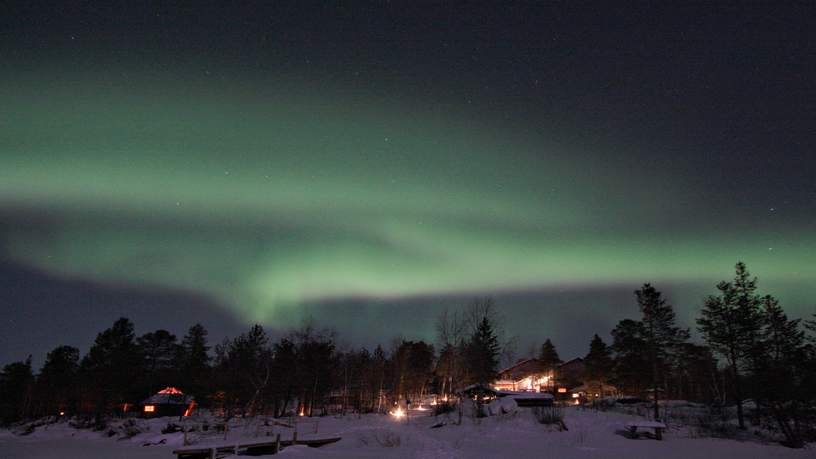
(483, 353)
(780, 378)
(315, 365)
(660, 335)
(16, 391)
(243, 366)
(598, 362)
(57, 383)
(159, 352)
(110, 368)
(631, 358)
(549, 355)
(193, 362)
(412, 368)
(730, 323)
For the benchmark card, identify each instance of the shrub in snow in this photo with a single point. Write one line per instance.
(130, 428)
(549, 415)
(502, 406)
(171, 428)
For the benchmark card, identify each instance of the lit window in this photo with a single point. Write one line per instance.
(562, 390)
(149, 408)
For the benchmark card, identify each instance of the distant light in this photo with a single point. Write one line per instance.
(562, 390)
(575, 395)
(149, 408)
(398, 413)
(62, 413)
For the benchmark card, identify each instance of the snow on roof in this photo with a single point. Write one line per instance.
(513, 394)
(169, 396)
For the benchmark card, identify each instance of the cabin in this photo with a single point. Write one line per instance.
(168, 402)
(533, 375)
(593, 390)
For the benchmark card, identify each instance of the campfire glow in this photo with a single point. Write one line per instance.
(398, 413)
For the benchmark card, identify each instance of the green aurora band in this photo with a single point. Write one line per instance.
(275, 194)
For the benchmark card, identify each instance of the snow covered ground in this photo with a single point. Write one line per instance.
(591, 435)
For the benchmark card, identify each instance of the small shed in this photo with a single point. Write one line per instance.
(168, 402)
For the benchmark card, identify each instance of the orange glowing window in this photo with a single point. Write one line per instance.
(149, 408)
(562, 390)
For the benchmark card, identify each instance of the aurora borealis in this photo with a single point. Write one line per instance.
(290, 175)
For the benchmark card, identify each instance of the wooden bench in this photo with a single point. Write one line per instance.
(635, 429)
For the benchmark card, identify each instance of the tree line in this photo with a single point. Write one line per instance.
(750, 350)
(300, 373)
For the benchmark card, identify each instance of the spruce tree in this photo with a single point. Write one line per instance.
(598, 361)
(730, 323)
(111, 366)
(660, 334)
(483, 352)
(194, 360)
(549, 355)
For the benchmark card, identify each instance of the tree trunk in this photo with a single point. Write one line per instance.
(738, 395)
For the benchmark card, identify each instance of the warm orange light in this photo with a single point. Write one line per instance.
(62, 413)
(302, 412)
(149, 408)
(170, 391)
(562, 390)
(398, 413)
(125, 408)
(189, 409)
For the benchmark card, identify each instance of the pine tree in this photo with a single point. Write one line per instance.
(598, 362)
(631, 356)
(549, 355)
(483, 353)
(194, 360)
(779, 373)
(730, 324)
(159, 352)
(111, 365)
(660, 334)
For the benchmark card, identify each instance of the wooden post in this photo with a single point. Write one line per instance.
(277, 444)
(294, 438)
(212, 453)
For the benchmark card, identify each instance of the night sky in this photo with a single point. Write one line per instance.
(370, 164)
